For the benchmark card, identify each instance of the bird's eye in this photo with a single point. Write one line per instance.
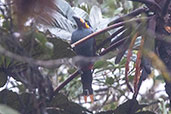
(75, 26)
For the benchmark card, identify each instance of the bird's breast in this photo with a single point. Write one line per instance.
(85, 48)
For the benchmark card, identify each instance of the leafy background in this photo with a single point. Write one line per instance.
(53, 42)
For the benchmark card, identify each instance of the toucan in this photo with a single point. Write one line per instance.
(86, 49)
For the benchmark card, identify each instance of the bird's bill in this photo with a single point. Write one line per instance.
(79, 19)
(82, 21)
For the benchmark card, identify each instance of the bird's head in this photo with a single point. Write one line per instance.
(81, 23)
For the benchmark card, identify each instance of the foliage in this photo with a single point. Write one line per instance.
(6, 110)
(38, 58)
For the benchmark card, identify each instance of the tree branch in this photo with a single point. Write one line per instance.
(107, 29)
(110, 37)
(70, 78)
(113, 46)
(165, 8)
(129, 16)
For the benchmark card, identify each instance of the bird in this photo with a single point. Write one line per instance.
(85, 49)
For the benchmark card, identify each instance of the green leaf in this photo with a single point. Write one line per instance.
(96, 19)
(60, 33)
(80, 12)
(1, 16)
(61, 49)
(65, 9)
(67, 106)
(123, 61)
(2, 58)
(159, 77)
(101, 64)
(63, 23)
(37, 45)
(3, 79)
(95, 16)
(7, 110)
(145, 112)
(128, 5)
(21, 88)
(100, 38)
(40, 37)
(10, 98)
(5, 61)
(129, 104)
(6, 25)
(118, 10)
(109, 80)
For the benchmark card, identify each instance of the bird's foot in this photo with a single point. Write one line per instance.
(91, 98)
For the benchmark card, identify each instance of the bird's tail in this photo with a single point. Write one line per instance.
(86, 79)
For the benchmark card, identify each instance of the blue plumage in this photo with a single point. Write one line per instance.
(84, 49)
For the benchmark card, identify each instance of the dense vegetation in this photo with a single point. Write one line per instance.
(39, 71)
